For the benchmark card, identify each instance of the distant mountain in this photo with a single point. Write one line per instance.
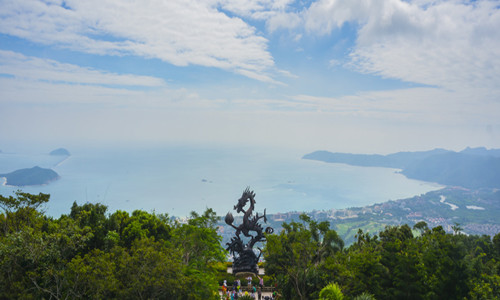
(470, 168)
(396, 160)
(60, 152)
(470, 171)
(481, 151)
(33, 176)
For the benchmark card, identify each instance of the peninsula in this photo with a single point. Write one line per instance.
(471, 168)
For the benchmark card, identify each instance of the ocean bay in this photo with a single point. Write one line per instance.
(180, 179)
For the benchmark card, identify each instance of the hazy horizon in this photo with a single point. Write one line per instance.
(177, 180)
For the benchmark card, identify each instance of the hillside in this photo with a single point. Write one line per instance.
(397, 160)
(457, 169)
(470, 168)
(31, 176)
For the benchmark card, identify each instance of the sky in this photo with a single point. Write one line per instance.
(359, 76)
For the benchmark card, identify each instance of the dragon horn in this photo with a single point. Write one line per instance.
(265, 217)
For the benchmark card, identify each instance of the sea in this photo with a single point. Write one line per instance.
(178, 179)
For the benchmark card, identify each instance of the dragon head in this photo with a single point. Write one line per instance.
(245, 197)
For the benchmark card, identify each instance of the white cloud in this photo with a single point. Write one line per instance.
(447, 44)
(288, 20)
(334, 62)
(451, 44)
(180, 32)
(288, 74)
(434, 106)
(256, 9)
(325, 15)
(38, 69)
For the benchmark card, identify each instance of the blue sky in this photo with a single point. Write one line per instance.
(354, 75)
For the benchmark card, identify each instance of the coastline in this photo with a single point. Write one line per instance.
(168, 180)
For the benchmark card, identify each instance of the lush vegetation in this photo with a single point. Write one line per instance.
(307, 257)
(92, 254)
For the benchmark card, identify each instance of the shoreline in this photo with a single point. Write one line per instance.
(281, 185)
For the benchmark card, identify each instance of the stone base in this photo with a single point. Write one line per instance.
(244, 274)
(245, 269)
(246, 262)
(262, 272)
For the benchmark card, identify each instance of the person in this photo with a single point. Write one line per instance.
(259, 293)
(261, 281)
(249, 279)
(253, 291)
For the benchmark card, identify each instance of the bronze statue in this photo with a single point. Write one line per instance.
(245, 259)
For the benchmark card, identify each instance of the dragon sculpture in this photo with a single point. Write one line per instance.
(245, 259)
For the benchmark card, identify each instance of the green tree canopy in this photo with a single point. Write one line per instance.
(91, 254)
(295, 256)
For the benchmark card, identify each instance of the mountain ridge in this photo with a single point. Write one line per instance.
(469, 168)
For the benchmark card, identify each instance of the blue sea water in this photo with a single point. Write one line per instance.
(180, 179)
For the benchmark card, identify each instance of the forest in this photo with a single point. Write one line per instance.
(93, 254)
(90, 254)
(399, 263)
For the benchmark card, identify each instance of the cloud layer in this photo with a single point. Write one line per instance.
(449, 44)
(450, 49)
(37, 69)
(182, 33)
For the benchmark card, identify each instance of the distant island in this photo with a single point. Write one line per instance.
(60, 152)
(469, 168)
(32, 176)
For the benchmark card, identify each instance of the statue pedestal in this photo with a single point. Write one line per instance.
(244, 274)
(246, 262)
(237, 271)
(262, 272)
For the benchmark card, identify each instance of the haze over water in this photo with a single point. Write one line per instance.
(180, 179)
